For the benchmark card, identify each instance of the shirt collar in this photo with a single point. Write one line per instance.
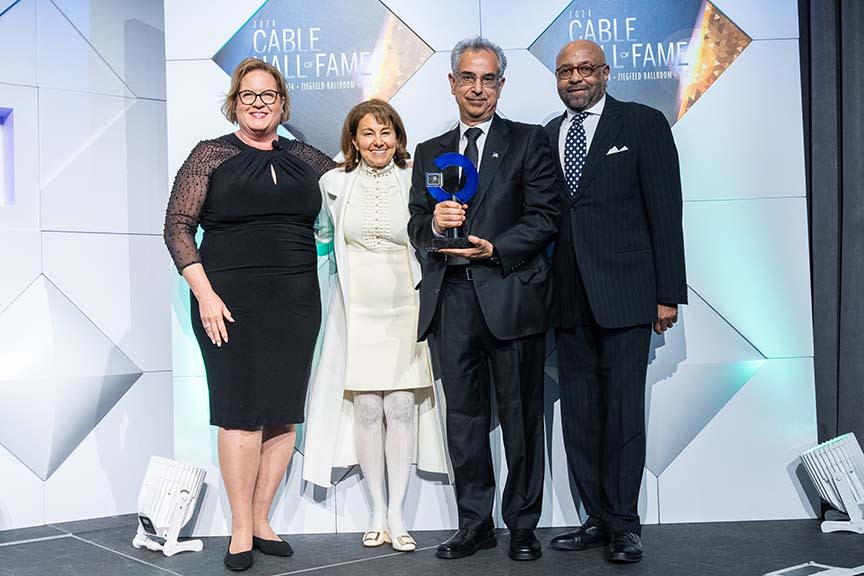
(597, 109)
(484, 126)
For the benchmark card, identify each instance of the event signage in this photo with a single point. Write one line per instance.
(665, 53)
(332, 54)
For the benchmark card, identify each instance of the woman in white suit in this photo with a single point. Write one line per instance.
(372, 401)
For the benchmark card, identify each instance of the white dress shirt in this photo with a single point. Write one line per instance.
(590, 124)
(463, 143)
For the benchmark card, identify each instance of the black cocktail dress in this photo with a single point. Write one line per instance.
(258, 209)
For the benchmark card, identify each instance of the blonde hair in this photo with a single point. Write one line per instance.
(229, 107)
(383, 113)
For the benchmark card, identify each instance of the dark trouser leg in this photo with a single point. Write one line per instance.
(624, 363)
(517, 375)
(464, 377)
(582, 414)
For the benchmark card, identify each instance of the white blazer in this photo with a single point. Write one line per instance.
(329, 428)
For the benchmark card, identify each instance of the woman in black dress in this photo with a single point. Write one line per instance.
(253, 280)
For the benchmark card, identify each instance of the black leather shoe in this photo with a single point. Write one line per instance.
(239, 561)
(272, 547)
(524, 545)
(625, 547)
(466, 542)
(585, 537)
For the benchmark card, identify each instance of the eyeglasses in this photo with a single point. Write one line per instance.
(584, 70)
(268, 97)
(469, 79)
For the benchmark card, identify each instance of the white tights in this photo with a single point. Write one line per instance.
(373, 442)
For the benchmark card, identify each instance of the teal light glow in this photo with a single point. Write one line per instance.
(681, 407)
(748, 259)
(194, 440)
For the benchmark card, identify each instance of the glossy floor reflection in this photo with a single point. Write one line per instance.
(103, 547)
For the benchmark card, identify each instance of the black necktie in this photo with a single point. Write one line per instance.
(471, 152)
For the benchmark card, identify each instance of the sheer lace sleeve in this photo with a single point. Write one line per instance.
(317, 160)
(187, 199)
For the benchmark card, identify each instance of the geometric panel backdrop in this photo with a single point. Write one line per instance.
(730, 390)
(85, 385)
(86, 389)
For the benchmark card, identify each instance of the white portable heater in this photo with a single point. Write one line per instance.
(812, 568)
(165, 504)
(837, 470)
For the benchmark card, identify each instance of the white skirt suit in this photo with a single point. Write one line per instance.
(370, 341)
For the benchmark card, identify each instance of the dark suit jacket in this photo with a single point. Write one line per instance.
(620, 249)
(517, 208)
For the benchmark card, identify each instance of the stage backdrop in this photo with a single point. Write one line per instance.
(85, 355)
(730, 389)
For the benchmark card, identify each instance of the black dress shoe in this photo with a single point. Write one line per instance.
(466, 542)
(272, 547)
(625, 547)
(585, 537)
(239, 561)
(524, 545)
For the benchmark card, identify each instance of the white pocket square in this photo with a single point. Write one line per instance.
(616, 150)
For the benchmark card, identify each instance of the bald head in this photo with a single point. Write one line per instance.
(582, 74)
(585, 48)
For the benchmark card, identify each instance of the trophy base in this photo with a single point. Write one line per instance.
(441, 243)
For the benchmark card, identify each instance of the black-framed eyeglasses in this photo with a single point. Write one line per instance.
(584, 70)
(487, 80)
(268, 97)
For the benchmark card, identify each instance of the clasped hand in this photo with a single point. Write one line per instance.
(449, 214)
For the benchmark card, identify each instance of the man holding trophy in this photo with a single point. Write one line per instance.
(487, 305)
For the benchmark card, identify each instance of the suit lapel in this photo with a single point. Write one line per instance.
(607, 130)
(449, 142)
(494, 151)
(553, 131)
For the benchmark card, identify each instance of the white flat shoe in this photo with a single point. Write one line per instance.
(404, 543)
(373, 538)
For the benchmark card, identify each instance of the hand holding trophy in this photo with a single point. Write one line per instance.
(453, 237)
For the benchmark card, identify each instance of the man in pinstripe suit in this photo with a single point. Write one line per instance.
(619, 269)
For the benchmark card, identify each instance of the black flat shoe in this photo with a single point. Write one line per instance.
(238, 562)
(466, 542)
(524, 545)
(272, 547)
(584, 537)
(625, 548)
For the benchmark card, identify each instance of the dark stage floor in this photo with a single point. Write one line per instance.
(103, 547)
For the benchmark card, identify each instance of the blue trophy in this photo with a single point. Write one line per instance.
(453, 237)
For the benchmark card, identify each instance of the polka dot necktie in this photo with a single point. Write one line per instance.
(575, 151)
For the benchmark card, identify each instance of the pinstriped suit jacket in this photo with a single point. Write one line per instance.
(620, 249)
